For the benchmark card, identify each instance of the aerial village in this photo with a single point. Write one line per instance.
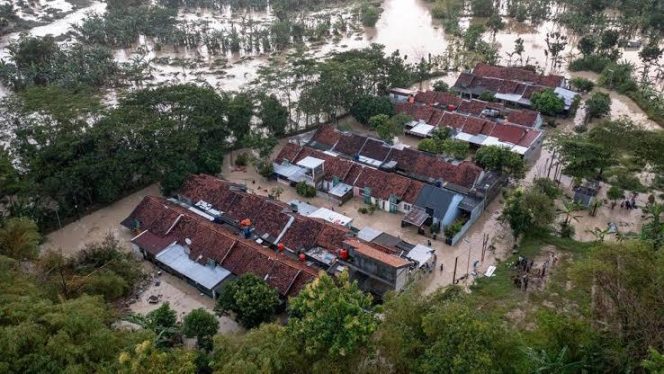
(213, 229)
(215, 186)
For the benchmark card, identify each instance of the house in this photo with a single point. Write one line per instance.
(399, 95)
(516, 130)
(325, 214)
(511, 85)
(205, 252)
(376, 271)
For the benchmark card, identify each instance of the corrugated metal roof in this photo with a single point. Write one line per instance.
(175, 257)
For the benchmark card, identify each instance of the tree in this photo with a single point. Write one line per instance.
(652, 231)
(587, 45)
(162, 321)
(462, 341)
(251, 299)
(331, 302)
(266, 349)
(598, 105)
(369, 14)
(528, 211)
(273, 115)
(9, 177)
(19, 239)
(548, 102)
(147, 358)
(202, 325)
(482, 8)
(580, 156)
(623, 280)
(369, 106)
(583, 84)
(387, 128)
(487, 96)
(547, 187)
(240, 112)
(440, 86)
(615, 193)
(500, 159)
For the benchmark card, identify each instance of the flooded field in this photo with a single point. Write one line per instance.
(404, 25)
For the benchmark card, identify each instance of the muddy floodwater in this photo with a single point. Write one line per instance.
(404, 25)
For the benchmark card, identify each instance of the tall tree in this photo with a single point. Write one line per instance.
(332, 302)
(19, 239)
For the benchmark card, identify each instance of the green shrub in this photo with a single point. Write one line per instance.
(305, 190)
(242, 159)
(583, 84)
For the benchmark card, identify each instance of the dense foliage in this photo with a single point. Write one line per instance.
(251, 300)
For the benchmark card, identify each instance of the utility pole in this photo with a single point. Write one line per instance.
(456, 260)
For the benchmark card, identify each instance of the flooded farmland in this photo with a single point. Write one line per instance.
(404, 25)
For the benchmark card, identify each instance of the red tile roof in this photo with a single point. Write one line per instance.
(405, 108)
(413, 191)
(423, 113)
(375, 149)
(523, 117)
(436, 117)
(423, 165)
(531, 136)
(327, 135)
(454, 120)
(350, 144)
(517, 74)
(382, 184)
(288, 152)
(215, 242)
(476, 125)
(508, 133)
(152, 243)
(368, 251)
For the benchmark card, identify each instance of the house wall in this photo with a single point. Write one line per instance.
(402, 276)
(452, 211)
(539, 122)
(474, 216)
(531, 154)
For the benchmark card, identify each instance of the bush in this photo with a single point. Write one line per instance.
(441, 86)
(368, 106)
(583, 84)
(594, 63)
(362, 210)
(242, 159)
(251, 299)
(487, 96)
(548, 102)
(615, 193)
(566, 230)
(598, 105)
(305, 190)
(369, 14)
(548, 187)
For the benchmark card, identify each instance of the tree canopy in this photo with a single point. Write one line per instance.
(251, 299)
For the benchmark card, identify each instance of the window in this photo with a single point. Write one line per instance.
(407, 207)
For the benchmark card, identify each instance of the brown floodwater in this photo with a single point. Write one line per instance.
(404, 25)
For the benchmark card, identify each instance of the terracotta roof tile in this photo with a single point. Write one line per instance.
(215, 242)
(382, 184)
(508, 133)
(423, 113)
(350, 144)
(531, 136)
(436, 117)
(523, 117)
(288, 152)
(413, 191)
(368, 251)
(327, 135)
(375, 149)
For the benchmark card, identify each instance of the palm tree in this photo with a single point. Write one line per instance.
(568, 209)
(598, 233)
(19, 238)
(653, 230)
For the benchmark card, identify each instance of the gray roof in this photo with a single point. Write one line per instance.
(368, 233)
(436, 199)
(177, 259)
